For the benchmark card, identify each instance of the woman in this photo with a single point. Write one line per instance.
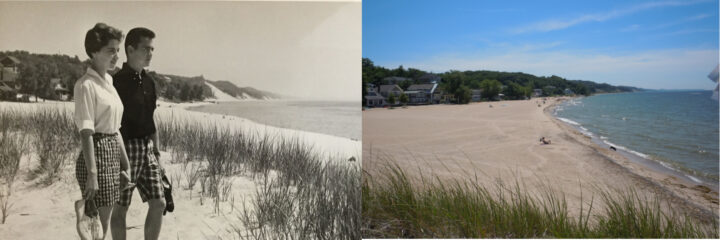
(98, 111)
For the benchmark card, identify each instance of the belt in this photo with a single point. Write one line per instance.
(98, 136)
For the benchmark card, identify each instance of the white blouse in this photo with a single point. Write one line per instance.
(97, 104)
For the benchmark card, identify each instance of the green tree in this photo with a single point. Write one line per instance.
(404, 99)
(549, 91)
(185, 92)
(580, 89)
(491, 88)
(400, 71)
(453, 80)
(515, 91)
(405, 84)
(463, 94)
(391, 99)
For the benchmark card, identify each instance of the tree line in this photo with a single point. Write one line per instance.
(36, 70)
(514, 85)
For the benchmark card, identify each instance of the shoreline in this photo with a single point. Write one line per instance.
(683, 190)
(328, 146)
(498, 142)
(195, 108)
(638, 157)
(323, 144)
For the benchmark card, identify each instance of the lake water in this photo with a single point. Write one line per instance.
(342, 119)
(676, 129)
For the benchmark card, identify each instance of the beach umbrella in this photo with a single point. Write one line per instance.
(714, 77)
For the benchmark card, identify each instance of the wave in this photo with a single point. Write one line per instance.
(693, 178)
(569, 121)
(574, 102)
(585, 131)
(639, 154)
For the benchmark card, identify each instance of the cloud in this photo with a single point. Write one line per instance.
(681, 21)
(688, 31)
(552, 25)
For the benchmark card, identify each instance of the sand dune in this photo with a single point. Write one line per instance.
(50, 208)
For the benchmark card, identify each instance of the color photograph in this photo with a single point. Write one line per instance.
(540, 119)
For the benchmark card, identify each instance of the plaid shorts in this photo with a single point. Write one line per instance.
(107, 162)
(144, 171)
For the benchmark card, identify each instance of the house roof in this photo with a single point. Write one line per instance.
(428, 86)
(5, 88)
(387, 88)
(10, 60)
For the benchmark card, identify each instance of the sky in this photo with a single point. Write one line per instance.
(310, 50)
(641, 43)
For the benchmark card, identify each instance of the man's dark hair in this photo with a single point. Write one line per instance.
(99, 36)
(135, 35)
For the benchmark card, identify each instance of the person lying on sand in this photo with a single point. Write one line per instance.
(545, 141)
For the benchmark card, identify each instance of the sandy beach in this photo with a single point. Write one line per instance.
(499, 141)
(50, 208)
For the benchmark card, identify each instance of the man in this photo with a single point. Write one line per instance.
(137, 93)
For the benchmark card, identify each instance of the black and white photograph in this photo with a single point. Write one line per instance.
(180, 120)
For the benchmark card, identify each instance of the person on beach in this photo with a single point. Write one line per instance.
(137, 93)
(101, 167)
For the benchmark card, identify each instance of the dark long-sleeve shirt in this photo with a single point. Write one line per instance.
(137, 93)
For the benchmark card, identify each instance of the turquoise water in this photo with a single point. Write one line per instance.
(342, 119)
(677, 129)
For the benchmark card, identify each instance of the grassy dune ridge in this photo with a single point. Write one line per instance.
(396, 205)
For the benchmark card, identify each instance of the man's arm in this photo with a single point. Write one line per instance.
(156, 145)
(155, 136)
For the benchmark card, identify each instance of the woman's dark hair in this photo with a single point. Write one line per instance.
(135, 35)
(99, 36)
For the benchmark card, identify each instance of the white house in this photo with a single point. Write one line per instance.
(422, 93)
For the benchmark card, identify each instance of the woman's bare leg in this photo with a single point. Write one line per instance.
(105, 213)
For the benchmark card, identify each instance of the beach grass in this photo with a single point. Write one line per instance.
(13, 147)
(55, 140)
(302, 195)
(396, 205)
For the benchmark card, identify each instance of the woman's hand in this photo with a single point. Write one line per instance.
(91, 187)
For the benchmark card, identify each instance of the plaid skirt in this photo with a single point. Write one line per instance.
(107, 161)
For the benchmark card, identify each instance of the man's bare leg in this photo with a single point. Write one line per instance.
(153, 221)
(118, 226)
